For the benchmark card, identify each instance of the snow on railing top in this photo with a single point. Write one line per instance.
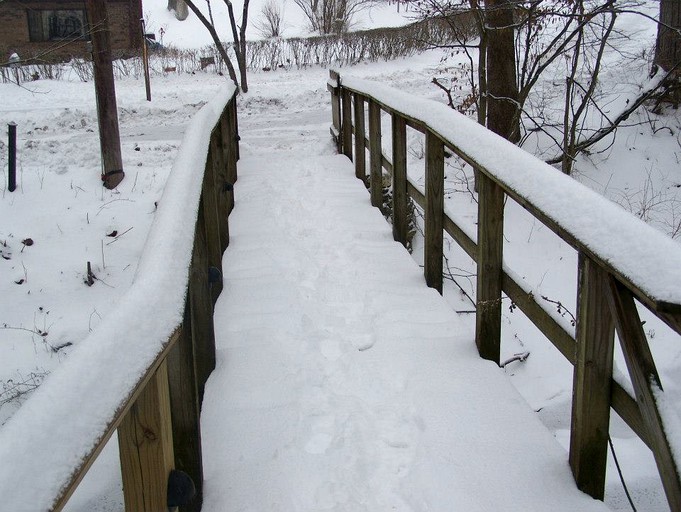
(650, 260)
(47, 439)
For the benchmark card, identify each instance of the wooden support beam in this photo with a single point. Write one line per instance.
(145, 441)
(201, 304)
(229, 152)
(489, 280)
(360, 143)
(184, 400)
(346, 137)
(220, 179)
(375, 155)
(646, 382)
(212, 222)
(335, 110)
(400, 198)
(591, 390)
(105, 91)
(434, 211)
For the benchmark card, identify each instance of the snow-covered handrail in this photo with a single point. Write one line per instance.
(620, 259)
(138, 363)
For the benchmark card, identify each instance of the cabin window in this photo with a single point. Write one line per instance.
(55, 25)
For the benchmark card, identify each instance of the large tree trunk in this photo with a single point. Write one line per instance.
(668, 45)
(502, 89)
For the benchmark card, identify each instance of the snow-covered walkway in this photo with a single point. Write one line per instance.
(343, 383)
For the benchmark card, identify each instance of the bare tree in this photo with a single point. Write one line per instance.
(332, 16)
(238, 35)
(270, 22)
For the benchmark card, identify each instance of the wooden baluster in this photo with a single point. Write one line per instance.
(347, 123)
(375, 154)
(335, 109)
(646, 383)
(235, 128)
(145, 441)
(434, 211)
(209, 205)
(221, 194)
(592, 377)
(360, 143)
(184, 399)
(400, 200)
(490, 248)
(201, 305)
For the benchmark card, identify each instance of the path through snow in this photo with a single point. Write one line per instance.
(343, 383)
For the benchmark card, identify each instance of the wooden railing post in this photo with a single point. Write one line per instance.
(212, 223)
(346, 136)
(360, 143)
(229, 147)
(646, 382)
(592, 377)
(375, 155)
(201, 304)
(184, 399)
(220, 180)
(490, 248)
(434, 211)
(145, 441)
(400, 200)
(235, 128)
(335, 109)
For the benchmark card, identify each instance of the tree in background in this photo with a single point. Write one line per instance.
(332, 16)
(668, 44)
(518, 44)
(238, 35)
(271, 20)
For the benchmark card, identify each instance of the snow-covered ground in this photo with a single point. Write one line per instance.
(61, 206)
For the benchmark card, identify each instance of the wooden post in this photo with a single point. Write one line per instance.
(360, 143)
(201, 305)
(145, 61)
(375, 155)
(592, 377)
(184, 399)
(235, 131)
(229, 152)
(145, 442)
(107, 111)
(346, 137)
(400, 201)
(646, 383)
(212, 221)
(219, 180)
(12, 157)
(335, 109)
(490, 248)
(434, 211)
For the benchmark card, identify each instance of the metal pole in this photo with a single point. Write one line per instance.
(12, 179)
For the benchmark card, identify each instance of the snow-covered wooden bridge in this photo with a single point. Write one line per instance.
(332, 375)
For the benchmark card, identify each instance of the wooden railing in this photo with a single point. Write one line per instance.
(142, 371)
(612, 247)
